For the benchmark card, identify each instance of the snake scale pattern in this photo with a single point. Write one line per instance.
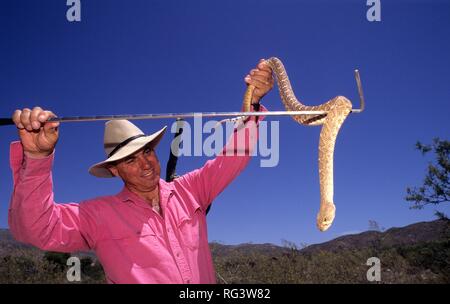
(337, 110)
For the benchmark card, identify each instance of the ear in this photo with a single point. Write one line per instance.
(113, 169)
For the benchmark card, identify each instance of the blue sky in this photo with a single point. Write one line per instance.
(186, 56)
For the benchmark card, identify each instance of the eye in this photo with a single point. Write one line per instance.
(129, 161)
(148, 150)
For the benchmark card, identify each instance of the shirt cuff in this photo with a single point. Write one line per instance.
(29, 166)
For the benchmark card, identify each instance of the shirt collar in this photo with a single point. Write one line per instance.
(165, 189)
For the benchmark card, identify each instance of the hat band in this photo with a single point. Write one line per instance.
(125, 142)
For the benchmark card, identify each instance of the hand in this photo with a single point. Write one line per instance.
(261, 78)
(38, 137)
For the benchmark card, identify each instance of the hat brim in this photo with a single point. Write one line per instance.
(100, 169)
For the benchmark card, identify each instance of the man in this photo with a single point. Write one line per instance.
(150, 232)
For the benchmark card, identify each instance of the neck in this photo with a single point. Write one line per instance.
(151, 197)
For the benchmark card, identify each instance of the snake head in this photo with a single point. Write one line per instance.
(326, 216)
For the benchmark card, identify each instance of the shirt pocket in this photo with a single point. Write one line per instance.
(141, 249)
(190, 229)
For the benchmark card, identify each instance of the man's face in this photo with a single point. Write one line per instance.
(139, 171)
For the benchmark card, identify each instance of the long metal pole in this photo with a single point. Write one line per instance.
(9, 121)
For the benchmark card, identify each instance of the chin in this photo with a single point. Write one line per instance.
(153, 182)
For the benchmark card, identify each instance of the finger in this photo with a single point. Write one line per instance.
(16, 119)
(254, 81)
(253, 71)
(262, 79)
(265, 69)
(261, 63)
(265, 74)
(50, 127)
(263, 66)
(247, 79)
(25, 119)
(45, 115)
(258, 84)
(35, 123)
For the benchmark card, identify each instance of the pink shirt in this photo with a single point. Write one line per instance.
(133, 242)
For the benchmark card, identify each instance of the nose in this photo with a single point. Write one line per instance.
(144, 162)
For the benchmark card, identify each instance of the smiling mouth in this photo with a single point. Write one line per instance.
(149, 173)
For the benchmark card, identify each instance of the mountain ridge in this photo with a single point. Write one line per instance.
(395, 236)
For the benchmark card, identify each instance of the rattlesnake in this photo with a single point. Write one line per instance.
(337, 110)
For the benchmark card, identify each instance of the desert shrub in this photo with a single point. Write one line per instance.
(421, 263)
(34, 266)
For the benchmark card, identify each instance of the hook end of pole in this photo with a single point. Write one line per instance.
(360, 93)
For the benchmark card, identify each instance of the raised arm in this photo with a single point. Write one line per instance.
(210, 180)
(34, 217)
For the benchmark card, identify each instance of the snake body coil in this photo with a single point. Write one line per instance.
(337, 110)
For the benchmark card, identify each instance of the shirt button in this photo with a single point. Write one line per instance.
(178, 254)
(168, 229)
(188, 281)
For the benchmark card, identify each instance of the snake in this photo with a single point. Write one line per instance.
(337, 110)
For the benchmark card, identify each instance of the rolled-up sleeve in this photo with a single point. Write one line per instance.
(35, 218)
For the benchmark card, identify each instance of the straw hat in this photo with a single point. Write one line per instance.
(122, 138)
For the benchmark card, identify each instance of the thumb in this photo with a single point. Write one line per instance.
(51, 129)
(50, 134)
